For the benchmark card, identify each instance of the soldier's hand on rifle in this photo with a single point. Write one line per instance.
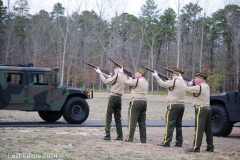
(120, 69)
(154, 74)
(190, 83)
(180, 77)
(130, 78)
(109, 75)
(97, 70)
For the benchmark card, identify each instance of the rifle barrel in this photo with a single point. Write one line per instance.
(102, 70)
(90, 64)
(124, 70)
(147, 68)
(169, 70)
(159, 74)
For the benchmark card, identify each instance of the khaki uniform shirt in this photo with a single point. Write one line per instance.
(118, 87)
(177, 94)
(204, 98)
(140, 91)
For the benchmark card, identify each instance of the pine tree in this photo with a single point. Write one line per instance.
(2, 19)
(21, 9)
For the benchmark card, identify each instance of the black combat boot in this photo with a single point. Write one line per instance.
(163, 145)
(106, 138)
(119, 138)
(193, 150)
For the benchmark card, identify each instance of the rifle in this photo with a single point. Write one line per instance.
(172, 71)
(102, 70)
(159, 74)
(124, 70)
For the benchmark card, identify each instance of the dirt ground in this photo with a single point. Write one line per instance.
(80, 143)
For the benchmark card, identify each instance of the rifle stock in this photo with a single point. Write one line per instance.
(172, 71)
(102, 70)
(124, 70)
(159, 74)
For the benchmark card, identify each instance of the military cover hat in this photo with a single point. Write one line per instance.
(178, 71)
(201, 75)
(142, 71)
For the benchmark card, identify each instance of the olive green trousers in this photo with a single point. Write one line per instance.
(137, 114)
(203, 124)
(114, 106)
(173, 119)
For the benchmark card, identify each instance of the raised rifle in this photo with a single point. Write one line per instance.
(102, 70)
(124, 70)
(172, 71)
(159, 74)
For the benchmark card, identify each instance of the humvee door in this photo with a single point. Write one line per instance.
(13, 94)
(39, 90)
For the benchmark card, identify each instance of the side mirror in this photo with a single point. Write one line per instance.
(58, 79)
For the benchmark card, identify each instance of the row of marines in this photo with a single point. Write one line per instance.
(177, 88)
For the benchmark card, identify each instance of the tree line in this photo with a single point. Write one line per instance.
(189, 40)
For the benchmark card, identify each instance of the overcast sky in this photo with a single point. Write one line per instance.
(119, 6)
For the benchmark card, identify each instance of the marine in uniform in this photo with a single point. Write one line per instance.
(201, 100)
(114, 105)
(175, 108)
(138, 105)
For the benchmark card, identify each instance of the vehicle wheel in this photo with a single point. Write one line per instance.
(50, 116)
(221, 125)
(76, 110)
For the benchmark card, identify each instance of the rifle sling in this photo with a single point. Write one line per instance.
(198, 93)
(170, 89)
(115, 80)
(135, 85)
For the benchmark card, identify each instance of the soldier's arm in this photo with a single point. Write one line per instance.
(130, 82)
(167, 84)
(107, 80)
(193, 89)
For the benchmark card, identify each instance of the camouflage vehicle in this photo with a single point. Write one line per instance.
(225, 109)
(28, 88)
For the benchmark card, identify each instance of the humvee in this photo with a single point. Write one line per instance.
(225, 109)
(29, 88)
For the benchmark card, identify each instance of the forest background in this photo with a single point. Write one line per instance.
(188, 39)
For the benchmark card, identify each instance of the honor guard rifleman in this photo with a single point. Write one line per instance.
(201, 103)
(138, 105)
(175, 108)
(114, 105)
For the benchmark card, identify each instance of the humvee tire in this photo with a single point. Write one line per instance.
(221, 125)
(50, 116)
(76, 110)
